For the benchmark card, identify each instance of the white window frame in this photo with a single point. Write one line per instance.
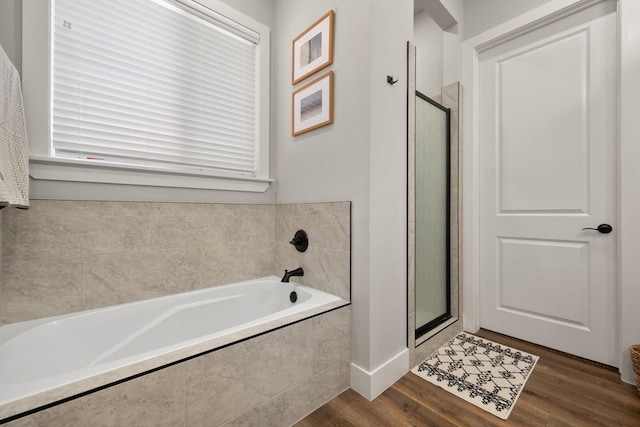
(37, 90)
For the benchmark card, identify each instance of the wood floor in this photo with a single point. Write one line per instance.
(561, 391)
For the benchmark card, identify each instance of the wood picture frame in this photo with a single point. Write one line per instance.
(312, 105)
(312, 50)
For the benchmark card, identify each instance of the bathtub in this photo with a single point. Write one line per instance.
(47, 360)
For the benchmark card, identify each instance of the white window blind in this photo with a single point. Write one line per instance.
(154, 83)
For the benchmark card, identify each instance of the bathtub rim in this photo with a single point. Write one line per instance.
(37, 402)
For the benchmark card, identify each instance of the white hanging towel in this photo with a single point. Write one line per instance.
(14, 153)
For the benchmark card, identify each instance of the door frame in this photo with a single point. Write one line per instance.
(628, 134)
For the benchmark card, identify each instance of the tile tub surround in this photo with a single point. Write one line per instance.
(66, 256)
(272, 379)
(327, 260)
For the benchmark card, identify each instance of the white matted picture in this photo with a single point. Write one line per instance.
(313, 49)
(313, 105)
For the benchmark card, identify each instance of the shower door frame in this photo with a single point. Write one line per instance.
(429, 326)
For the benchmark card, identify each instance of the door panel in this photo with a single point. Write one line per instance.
(547, 104)
(532, 157)
(559, 269)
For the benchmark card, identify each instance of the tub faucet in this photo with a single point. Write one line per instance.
(287, 274)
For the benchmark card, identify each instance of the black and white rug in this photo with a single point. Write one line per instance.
(482, 372)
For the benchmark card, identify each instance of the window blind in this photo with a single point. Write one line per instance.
(154, 83)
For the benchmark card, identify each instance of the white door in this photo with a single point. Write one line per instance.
(547, 163)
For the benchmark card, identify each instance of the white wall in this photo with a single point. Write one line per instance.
(428, 38)
(629, 315)
(260, 10)
(452, 43)
(481, 15)
(360, 157)
(11, 29)
(391, 24)
(332, 162)
(438, 50)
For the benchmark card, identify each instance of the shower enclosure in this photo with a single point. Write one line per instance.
(433, 156)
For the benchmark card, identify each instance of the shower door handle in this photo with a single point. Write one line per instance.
(602, 228)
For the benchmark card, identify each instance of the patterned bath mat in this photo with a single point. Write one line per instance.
(487, 374)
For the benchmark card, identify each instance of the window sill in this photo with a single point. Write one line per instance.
(50, 169)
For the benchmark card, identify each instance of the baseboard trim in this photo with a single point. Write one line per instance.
(371, 384)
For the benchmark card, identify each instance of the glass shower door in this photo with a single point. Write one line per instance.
(432, 220)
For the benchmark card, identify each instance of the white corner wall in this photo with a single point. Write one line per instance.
(391, 28)
(260, 10)
(332, 162)
(438, 50)
(481, 15)
(629, 280)
(11, 30)
(452, 43)
(360, 157)
(429, 40)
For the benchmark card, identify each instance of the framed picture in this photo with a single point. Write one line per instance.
(313, 49)
(313, 105)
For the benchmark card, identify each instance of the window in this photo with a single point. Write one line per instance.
(142, 91)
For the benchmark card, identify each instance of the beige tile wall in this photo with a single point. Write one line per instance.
(65, 256)
(271, 380)
(327, 261)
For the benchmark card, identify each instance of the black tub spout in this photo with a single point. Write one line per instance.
(287, 274)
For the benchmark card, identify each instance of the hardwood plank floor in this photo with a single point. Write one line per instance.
(561, 391)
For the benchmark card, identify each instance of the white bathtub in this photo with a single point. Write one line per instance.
(45, 360)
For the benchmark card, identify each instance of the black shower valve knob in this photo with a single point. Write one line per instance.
(300, 241)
